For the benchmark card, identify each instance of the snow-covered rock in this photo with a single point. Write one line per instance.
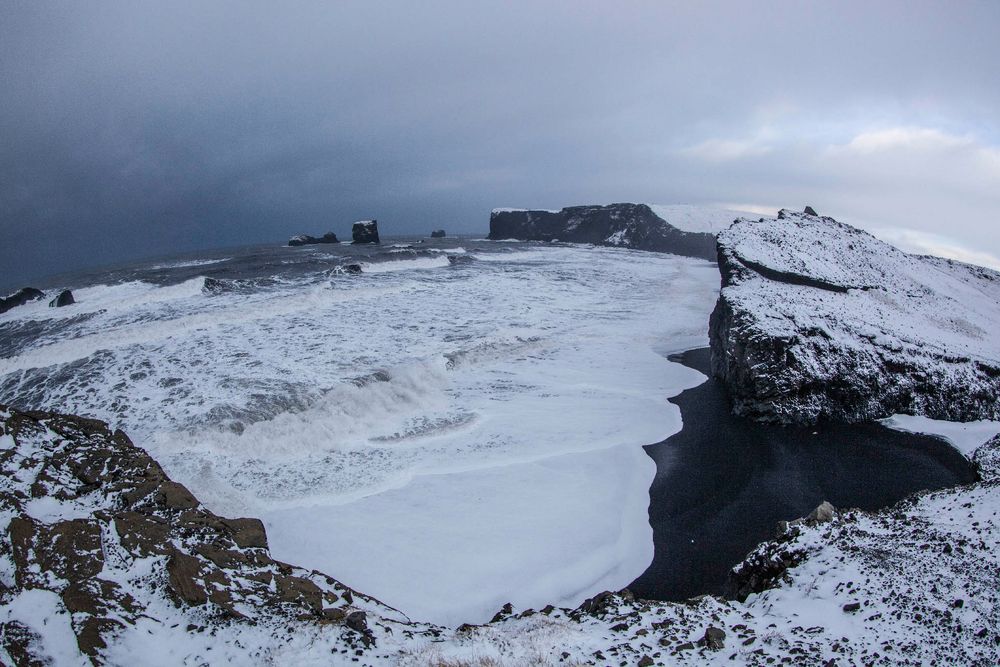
(817, 319)
(627, 225)
(103, 558)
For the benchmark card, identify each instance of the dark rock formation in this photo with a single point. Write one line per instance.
(365, 231)
(819, 320)
(19, 298)
(438, 234)
(65, 298)
(134, 511)
(305, 239)
(625, 225)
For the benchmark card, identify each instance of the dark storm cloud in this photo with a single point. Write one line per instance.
(135, 128)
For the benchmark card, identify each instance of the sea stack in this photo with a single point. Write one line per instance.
(365, 231)
(438, 234)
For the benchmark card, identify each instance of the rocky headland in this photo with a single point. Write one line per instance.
(624, 225)
(819, 320)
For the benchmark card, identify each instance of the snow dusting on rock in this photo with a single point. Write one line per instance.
(817, 319)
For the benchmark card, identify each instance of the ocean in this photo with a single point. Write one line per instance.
(457, 426)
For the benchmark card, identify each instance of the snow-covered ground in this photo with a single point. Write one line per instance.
(703, 219)
(964, 436)
(444, 438)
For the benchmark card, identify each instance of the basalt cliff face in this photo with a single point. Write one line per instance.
(819, 320)
(624, 225)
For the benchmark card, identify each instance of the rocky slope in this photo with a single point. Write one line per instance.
(819, 320)
(627, 225)
(104, 560)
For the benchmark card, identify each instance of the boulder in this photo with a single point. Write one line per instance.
(19, 298)
(305, 239)
(715, 638)
(438, 234)
(365, 231)
(65, 298)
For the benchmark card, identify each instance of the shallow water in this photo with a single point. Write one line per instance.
(724, 482)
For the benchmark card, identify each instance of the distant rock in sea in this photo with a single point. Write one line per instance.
(438, 234)
(305, 239)
(19, 298)
(65, 298)
(625, 225)
(819, 320)
(365, 231)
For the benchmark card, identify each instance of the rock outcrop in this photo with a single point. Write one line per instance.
(438, 234)
(624, 225)
(819, 320)
(19, 298)
(97, 525)
(65, 298)
(305, 239)
(365, 231)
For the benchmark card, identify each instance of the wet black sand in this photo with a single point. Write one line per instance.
(723, 483)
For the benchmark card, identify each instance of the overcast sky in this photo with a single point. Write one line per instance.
(134, 129)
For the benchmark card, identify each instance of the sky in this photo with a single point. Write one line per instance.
(134, 129)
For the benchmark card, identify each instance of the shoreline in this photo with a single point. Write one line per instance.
(724, 482)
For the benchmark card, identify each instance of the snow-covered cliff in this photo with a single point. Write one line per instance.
(817, 319)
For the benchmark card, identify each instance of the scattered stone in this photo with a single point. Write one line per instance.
(645, 661)
(852, 607)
